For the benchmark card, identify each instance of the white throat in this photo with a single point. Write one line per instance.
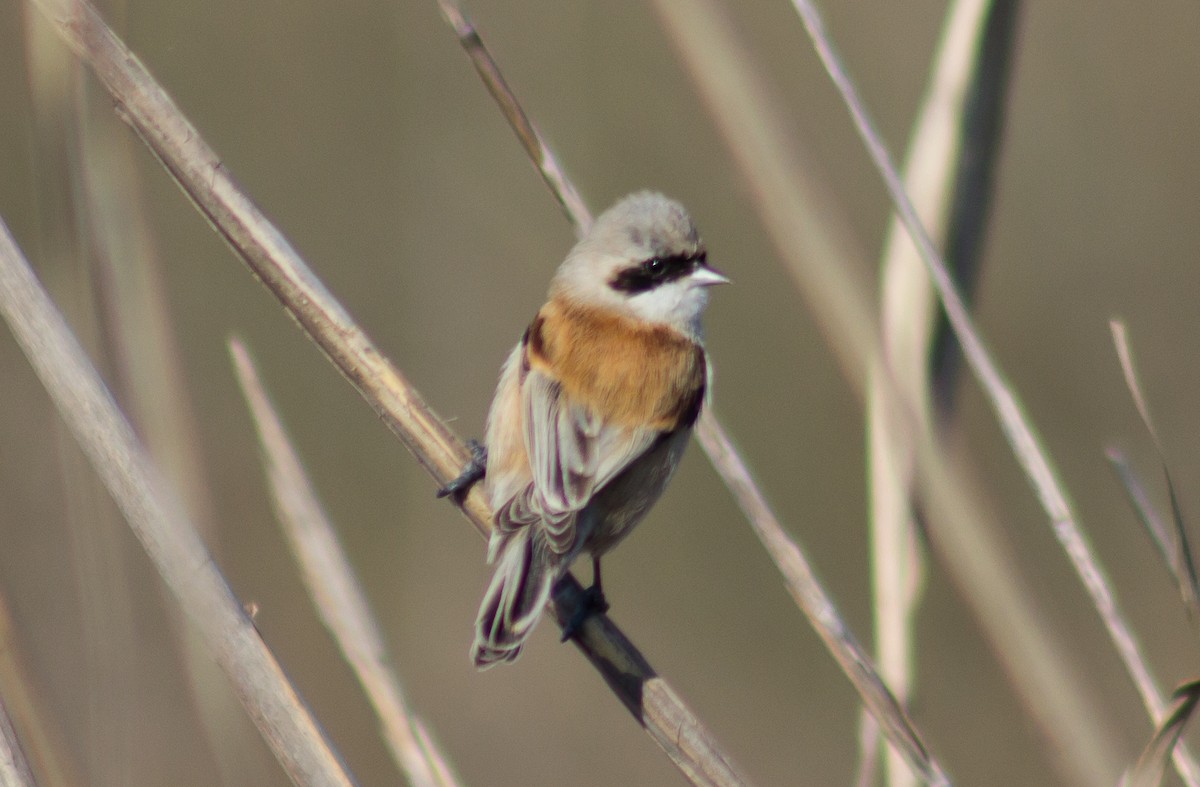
(677, 304)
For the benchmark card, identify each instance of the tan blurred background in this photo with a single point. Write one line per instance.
(363, 131)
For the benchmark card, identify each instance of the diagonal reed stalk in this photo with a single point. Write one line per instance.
(1173, 545)
(799, 577)
(527, 133)
(143, 104)
(330, 581)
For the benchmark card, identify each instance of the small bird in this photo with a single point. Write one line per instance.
(593, 411)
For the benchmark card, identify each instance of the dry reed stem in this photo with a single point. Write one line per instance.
(14, 770)
(1173, 544)
(1139, 498)
(331, 584)
(1017, 428)
(442, 772)
(527, 134)
(143, 104)
(160, 524)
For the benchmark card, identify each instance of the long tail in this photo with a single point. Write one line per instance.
(515, 599)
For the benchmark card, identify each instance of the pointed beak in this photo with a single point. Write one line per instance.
(707, 277)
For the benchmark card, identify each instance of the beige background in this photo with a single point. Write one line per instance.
(363, 131)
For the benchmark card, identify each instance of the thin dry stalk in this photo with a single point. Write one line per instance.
(1139, 498)
(14, 770)
(869, 738)
(1004, 401)
(143, 104)
(1174, 546)
(531, 139)
(331, 583)
(897, 563)
(157, 519)
(442, 773)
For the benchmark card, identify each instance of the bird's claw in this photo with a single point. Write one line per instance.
(472, 472)
(592, 602)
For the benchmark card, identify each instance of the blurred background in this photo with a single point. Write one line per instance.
(363, 131)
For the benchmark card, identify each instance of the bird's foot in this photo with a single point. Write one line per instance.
(472, 472)
(591, 603)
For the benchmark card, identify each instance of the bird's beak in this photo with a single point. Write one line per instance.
(707, 277)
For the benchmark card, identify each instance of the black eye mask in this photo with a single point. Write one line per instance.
(656, 271)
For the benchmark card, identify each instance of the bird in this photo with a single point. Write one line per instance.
(592, 412)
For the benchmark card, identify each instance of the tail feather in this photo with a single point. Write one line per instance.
(515, 598)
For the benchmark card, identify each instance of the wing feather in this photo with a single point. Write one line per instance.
(572, 453)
